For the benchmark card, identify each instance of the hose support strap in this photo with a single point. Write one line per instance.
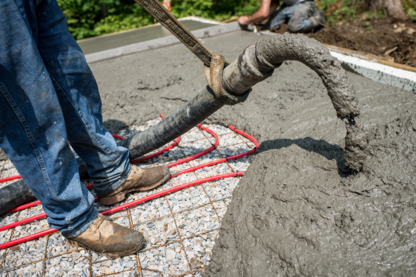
(214, 76)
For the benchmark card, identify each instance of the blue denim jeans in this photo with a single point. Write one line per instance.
(296, 17)
(49, 98)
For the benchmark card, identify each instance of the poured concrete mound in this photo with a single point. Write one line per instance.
(295, 212)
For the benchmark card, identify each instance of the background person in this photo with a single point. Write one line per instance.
(299, 15)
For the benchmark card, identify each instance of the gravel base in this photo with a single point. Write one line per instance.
(32, 270)
(73, 264)
(7, 169)
(180, 228)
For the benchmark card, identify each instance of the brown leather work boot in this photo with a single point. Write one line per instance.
(106, 237)
(138, 180)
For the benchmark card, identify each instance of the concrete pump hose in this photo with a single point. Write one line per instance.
(188, 116)
(255, 64)
(205, 103)
(14, 195)
(258, 61)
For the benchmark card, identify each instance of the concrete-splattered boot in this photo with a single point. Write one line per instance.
(138, 180)
(106, 237)
(317, 20)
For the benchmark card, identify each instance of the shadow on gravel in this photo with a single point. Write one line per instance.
(3, 155)
(321, 147)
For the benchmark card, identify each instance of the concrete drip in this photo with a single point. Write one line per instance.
(258, 61)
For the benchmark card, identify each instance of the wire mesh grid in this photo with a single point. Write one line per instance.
(180, 228)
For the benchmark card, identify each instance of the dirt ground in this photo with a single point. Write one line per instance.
(394, 41)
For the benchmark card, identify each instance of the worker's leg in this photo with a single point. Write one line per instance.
(108, 164)
(32, 126)
(278, 17)
(300, 17)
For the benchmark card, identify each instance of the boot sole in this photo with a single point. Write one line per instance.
(112, 255)
(107, 201)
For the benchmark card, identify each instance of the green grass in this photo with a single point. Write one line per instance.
(88, 18)
(409, 6)
(98, 17)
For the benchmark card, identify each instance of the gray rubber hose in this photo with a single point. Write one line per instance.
(257, 62)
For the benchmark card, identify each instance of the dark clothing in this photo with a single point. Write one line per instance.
(49, 97)
(296, 16)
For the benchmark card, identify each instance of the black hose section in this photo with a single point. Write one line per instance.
(14, 195)
(188, 116)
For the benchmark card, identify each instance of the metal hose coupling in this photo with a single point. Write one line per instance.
(217, 86)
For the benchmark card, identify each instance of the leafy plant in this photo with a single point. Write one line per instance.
(368, 16)
(97, 17)
(87, 18)
(337, 10)
(81, 16)
(409, 7)
(380, 14)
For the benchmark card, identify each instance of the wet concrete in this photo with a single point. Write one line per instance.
(296, 212)
(93, 45)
